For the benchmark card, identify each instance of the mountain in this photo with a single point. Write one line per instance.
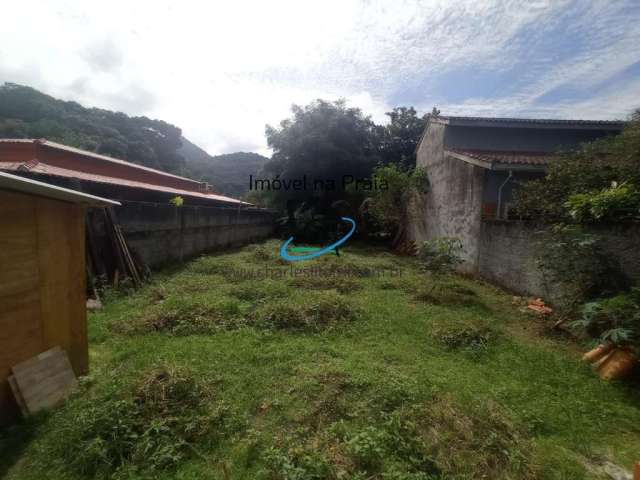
(27, 113)
(228, 173)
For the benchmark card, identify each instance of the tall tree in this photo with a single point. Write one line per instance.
(400, 137)
(323, 141)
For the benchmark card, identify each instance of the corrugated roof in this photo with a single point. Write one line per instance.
(42, 168)
(492, 159)
(33, 187)
(86, 153)
(529, 122)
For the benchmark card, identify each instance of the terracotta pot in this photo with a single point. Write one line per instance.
(597, 353)
(598, 364)
(619, 363)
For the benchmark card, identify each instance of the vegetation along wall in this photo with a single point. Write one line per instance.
(509, 252)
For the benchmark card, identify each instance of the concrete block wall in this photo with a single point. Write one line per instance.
(452, 206)
(162, 233)
(508, 249)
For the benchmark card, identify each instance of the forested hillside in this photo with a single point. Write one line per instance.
(28, 113)
(334, 137)
(228, 173)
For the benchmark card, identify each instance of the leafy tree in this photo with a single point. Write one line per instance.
(586, 176)
(323, 141)
(400, 137)
(389, 207)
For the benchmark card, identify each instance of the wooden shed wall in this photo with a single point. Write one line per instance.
(42, 284)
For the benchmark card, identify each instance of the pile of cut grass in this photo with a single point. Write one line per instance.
(152, 426)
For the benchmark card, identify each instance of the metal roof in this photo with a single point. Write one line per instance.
(35, 166)
(162, 180)
(86, 153)
(507, 122)
(41, 189)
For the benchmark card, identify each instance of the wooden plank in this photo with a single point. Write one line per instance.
(17, 395)
(62, 279)
(45, 380)
(20, 309)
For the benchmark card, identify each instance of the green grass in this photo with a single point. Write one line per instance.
(206, 373)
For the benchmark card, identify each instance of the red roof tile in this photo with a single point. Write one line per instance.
(506, 157)
(42, 168)
(86, 153)
(116, 172)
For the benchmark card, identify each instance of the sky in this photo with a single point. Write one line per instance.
(222, 70)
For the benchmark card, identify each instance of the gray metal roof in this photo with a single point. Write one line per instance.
(41, 189)
(614, 125)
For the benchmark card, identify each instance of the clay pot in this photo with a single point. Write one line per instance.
(618, 364)
(597, 353)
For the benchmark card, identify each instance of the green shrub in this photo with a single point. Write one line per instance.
(615, 319)
(575, 267)
(616, 203)
(368, 448)
(389, 207)
(440, 256)
(591, 169)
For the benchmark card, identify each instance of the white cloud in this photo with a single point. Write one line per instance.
(221, 71)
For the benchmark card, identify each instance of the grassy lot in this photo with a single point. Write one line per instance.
(205, 374)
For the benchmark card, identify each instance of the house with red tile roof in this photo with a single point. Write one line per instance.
(474, 164)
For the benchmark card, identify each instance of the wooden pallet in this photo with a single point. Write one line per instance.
(43, 381)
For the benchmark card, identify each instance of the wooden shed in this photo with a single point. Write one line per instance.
(42, 276)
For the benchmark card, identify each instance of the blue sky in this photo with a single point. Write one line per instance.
(222, 70)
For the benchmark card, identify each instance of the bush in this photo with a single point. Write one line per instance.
(440, 256)
(575, 266)
(585, 177)
(616, 203)
(389, 205)
(615, 319)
